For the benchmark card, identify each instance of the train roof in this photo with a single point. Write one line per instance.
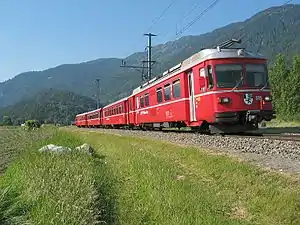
(95, 110)
(202, 55)
(81, 114)
(116, 102)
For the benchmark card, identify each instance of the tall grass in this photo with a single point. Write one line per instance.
(50, 188)
(159, 183)
(138, 181)
(13, 140)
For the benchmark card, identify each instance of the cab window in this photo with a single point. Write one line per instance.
(210, 77)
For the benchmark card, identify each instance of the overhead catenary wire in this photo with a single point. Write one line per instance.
(161, 15)
(194, 7)
(243, 33)
(180, 32)
(186, 27)
(186, 15)
(155, 21)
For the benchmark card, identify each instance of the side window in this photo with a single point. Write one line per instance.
(130, 105)
(167, 90)
(210, 77)
(176, 88)
(147, 99)
(142, 101)
(159, 95)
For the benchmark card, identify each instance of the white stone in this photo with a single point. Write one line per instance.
(54, 148)
(85, 148)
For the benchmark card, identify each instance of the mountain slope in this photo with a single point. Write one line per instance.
(49, 106)
(271, 31)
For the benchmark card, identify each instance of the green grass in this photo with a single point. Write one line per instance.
(279, 127)
(280, 123)
(13, 140)
(160, 183)
(47, 188)
(136, 181)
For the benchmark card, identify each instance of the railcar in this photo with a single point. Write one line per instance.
(94, 118)
(219, 90)
(116, 114)
(81, 120)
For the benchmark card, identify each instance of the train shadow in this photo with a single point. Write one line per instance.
(279, 130)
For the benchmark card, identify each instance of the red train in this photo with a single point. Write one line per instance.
(221, 90)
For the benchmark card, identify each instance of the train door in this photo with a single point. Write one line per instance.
(191, 88)
(137, 105)
(85, 120)
(100, 117)
(130, 111)
(126, 111)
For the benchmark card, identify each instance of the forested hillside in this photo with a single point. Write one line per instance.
(272, 31)
(51, 106)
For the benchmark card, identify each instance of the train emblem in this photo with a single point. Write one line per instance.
(248, 98)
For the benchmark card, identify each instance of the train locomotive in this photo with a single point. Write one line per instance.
(216, 90)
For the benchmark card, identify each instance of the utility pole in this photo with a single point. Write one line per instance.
(148, 61)
(98, 93)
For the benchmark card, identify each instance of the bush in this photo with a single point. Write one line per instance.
(32, 124)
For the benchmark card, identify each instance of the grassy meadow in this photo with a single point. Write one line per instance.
(51, 188)
(13, 140)
(160, 183)
(135, 181)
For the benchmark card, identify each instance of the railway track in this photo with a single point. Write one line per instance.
(273, 136)
(283, 137)
(295, 137)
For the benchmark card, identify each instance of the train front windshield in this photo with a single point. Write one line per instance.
(238, 75)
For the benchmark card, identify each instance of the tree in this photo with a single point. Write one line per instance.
(294, 88)
(7, 121)
(285, 85)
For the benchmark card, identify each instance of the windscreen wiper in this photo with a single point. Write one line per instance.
(238, 83)
(265, 85)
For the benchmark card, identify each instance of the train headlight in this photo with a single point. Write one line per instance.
(224, 100)
(268, 98)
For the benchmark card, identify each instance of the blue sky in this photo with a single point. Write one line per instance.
(39, 34)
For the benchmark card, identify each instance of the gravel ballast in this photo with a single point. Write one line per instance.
(280, 155)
